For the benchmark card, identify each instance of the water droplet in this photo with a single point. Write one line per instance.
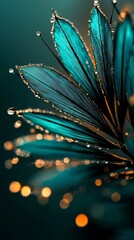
(11, 111)
(96, 2)
(11, 70)
(114, 1)
(52, 20)
(88, 145)
(17, 124)
(38, 33)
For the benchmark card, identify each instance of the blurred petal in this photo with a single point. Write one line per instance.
(55, 148)
(129, 76)
(124, 38)
(129, 136)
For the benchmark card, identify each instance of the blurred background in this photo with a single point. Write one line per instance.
(24, 218)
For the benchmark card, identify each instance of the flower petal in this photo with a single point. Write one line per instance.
(68, 127)
(54, 148)
(62, 181)
(101, 40)
(129, 77)
(74, 55)
(74, 131)
(124, 38)
(55, 87)
(129, 136)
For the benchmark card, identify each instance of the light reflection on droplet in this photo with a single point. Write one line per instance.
(38, 33)
(39, 136)
(81, 220)
(96, 2)
(11, 70)
(114, 1)
(11, 111)
(15, 187)
(66, 160)
(17, 124)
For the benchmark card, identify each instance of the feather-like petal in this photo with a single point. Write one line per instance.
(74, 55)
(53, 86)
(74, 131)
(68, 127)
(54, 148)
(101, 40)
(129, 76)
(124, 38)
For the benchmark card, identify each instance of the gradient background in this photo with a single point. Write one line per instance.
(19, 20)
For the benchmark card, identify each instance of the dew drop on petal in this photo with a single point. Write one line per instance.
(38, 33)
(11, 70)
(96, 2)
(11, 111)
(17, 124)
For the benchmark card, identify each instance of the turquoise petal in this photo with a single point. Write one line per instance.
(74, 55)
(124, 38)
(129, 76)
(129, 136)
(73, 131)
(53, 86)
(53, 149)
(101, 40)
(60, 126)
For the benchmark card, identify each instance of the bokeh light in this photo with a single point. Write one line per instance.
(25, 191)
(14, 186)
(81, 220)
(116, 197)
(46, 192)
(98, 182)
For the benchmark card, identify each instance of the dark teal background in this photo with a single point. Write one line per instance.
(19, 20)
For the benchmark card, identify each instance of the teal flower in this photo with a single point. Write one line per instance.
(93, 101)
(92, 122)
